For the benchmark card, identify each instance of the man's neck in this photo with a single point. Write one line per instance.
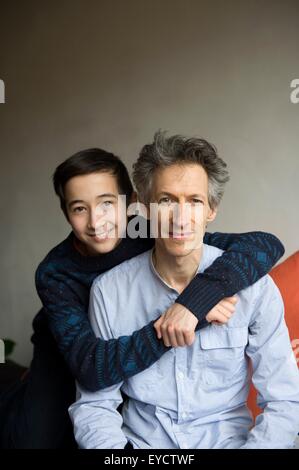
(176, 271)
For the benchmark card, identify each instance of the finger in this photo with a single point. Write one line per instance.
(180, 338)
(233, 300)
(209, 316)
(189, 337)
(157, 326)
(165, 336)
(221, 318)
(228, 305)
(172, 337)
(224, 311)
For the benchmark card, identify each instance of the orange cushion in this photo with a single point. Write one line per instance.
(286, 277)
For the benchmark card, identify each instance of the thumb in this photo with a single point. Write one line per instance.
(157, 326)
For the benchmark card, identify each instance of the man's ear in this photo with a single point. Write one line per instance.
(133, 197)
(212, 214)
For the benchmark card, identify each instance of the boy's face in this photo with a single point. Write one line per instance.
(92, 209)
(181, 194)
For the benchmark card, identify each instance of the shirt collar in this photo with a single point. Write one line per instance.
(204, 263)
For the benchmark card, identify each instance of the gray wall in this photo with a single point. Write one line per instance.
(95, 73)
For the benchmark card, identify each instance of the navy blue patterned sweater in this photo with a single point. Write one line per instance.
(64, 278)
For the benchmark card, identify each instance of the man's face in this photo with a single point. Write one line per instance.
(181, 195)
(92, 209)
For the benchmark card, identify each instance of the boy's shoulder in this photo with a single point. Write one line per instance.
(56, 256)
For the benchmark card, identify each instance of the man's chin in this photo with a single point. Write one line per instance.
(179, 248)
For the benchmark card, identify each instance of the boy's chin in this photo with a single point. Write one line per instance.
(102, 247)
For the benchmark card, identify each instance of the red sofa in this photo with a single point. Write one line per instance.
(286, 277)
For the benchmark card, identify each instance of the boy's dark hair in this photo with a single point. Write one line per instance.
(89, 161)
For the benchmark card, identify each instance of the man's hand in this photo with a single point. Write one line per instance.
(176, 326)
(223, 311)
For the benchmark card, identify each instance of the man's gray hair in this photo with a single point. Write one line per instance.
(177, 149)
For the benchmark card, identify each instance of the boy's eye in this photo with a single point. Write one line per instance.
(107, 203)
(79, 209)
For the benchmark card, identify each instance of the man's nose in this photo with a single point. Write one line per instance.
(182, 214)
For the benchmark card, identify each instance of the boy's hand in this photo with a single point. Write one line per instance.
(177, 325)
(223, 311)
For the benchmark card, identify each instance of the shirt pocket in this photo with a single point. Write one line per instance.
(154, 378)
(223, 352)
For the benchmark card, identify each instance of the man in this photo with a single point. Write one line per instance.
(195, 396)
(35, 411)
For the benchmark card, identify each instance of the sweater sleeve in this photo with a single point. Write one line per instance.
(247, 258)
(86, 355)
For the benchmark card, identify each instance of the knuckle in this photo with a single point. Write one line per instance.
(188, 332)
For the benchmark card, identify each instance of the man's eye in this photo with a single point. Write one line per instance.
(165, 201)
(79, 209)
(197, 201)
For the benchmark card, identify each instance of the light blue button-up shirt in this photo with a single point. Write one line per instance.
(193, 397)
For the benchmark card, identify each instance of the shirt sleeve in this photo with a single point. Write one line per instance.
(275, 374)
(247, 258)
(97, 423)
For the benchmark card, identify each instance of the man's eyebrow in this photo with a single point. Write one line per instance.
(173, 195)
(80, 201)
(198, 195)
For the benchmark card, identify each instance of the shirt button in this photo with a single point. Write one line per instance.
(184, 415)
(184, 445)
(181, 375)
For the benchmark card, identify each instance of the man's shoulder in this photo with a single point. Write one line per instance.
(264, 285)
(260, 301)
(127, 270)
(210, 253)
